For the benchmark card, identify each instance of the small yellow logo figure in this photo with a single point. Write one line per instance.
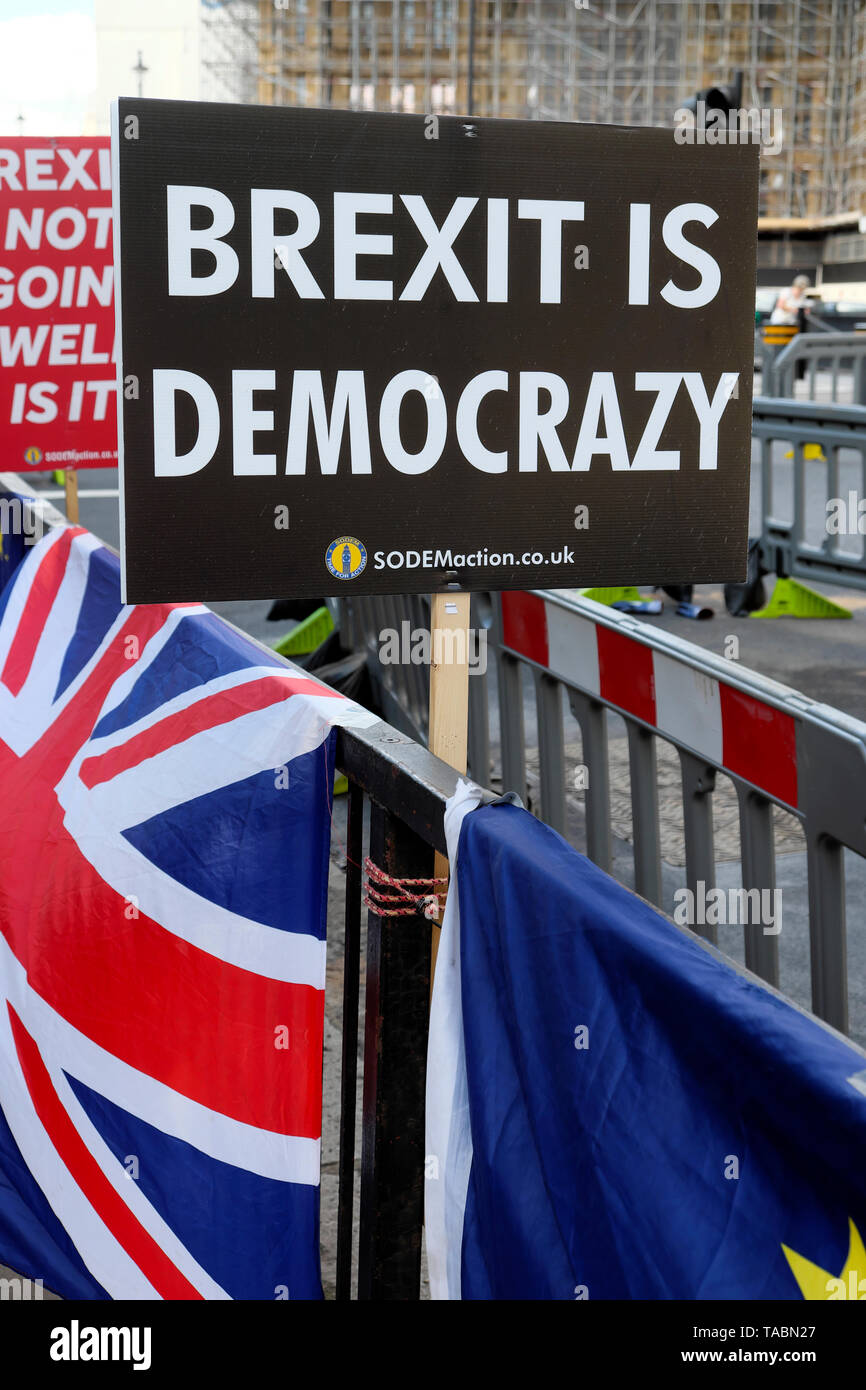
(33, 456)
(818, 1286)
(346, 557)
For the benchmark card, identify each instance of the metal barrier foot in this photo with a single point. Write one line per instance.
(812, 453)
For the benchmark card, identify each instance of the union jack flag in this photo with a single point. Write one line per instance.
(164, 833)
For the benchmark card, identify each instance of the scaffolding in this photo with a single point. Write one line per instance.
(630, 62)
(231, 50)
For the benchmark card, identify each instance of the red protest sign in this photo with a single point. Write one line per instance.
(57, 383)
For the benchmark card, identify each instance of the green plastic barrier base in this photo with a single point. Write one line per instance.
(307, 636)
(791, 599)
(626, 594)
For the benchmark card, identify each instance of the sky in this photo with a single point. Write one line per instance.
(47, 65)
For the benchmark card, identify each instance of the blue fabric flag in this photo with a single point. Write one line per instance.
(614, 1110)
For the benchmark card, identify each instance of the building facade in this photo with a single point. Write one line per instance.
(629, 62)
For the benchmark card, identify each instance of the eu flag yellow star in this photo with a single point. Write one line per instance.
(817, 1285)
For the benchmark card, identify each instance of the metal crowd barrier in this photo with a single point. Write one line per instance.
(406, 789)
(839, 431)
(777, 746)
(402, 690)
(841, 355)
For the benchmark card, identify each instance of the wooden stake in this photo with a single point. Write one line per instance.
(449, 700)
(71, 483)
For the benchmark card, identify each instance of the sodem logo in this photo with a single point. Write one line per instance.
(346, 557)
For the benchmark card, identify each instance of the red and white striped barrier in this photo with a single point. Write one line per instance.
(735, 731)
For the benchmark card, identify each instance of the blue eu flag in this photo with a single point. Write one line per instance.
(619, 1112)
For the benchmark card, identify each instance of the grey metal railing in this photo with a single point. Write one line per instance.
(822, 783)
(813, 364)
(800, 543)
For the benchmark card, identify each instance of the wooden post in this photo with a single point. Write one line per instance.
(71, 484)
(449, 700)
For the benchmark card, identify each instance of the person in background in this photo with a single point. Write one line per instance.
(792, 306)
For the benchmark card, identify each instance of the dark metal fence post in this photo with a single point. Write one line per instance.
(349, 1069)
(395, 1055)
(699, 782)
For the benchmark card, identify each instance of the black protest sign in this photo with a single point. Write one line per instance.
(384, 353)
